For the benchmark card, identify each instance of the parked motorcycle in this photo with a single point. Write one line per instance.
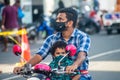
(31, 30)
(39, 29)
(44, 30)
(88, 25)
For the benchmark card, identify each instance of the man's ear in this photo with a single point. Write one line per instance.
(70, 23)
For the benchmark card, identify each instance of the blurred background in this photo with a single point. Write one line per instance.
(94, 15)
(98, 18)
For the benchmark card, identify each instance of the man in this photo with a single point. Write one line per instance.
(65, 26)
(9, 21)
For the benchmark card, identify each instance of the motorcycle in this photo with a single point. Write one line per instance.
(45, 30)
(88, 25)
(40, 29)
(43, 71)
(31, 30)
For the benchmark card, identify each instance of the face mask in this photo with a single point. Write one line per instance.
(60, 26)
(57, 58)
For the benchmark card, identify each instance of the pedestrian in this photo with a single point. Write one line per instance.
(55, 12)
(65, 26)
(96, 5)
(60, 5)
(20, 12)
(1, 9)
(58, 51)
(9, 21)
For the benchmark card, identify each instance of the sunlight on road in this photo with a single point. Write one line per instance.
(104, 66)
(7, 68)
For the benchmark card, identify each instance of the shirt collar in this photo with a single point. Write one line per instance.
(59, 34)
(73, 34)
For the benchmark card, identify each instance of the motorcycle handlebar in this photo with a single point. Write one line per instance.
(28, 71)
(64, 72)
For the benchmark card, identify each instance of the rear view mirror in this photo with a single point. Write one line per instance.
(71, 49)
(17, 50)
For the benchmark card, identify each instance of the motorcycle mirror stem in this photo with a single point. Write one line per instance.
(71, 50)
(62, 59)
(17, 51)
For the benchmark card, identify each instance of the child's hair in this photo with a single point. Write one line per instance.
(58, 44)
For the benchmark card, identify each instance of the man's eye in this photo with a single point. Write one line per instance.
(59, 19)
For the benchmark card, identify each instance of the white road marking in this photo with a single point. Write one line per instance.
(113, 66)
(104, 53)
(92, 57)
(105, 65)
(11, 78)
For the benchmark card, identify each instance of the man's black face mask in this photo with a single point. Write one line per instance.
(60, 26)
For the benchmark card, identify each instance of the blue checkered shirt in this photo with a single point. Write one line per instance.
(78, 38)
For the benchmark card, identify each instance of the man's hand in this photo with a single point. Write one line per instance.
(17, 70)
(77, 63)
(3, 27)
(33, 61)
(71, 68)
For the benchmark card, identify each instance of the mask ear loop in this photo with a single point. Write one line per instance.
(69, 21)
(66, 24)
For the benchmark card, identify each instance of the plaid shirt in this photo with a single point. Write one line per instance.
(78, 38)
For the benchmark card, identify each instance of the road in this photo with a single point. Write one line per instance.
(104, 58)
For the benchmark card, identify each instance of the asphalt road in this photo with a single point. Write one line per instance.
(104, 58)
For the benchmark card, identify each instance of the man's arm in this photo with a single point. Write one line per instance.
(35, 60)
(41, 54)
(80, 58)
(38, 57)
(3, 21)
(83, 49)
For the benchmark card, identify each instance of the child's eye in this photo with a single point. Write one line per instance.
(63, 52)
(60, 53)
(57, 53)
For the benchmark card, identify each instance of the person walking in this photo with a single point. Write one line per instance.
(20, 12)
(9, 21)
(1, 9)
(60, 5)
(65, 26)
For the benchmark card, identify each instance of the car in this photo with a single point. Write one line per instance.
(111, 21)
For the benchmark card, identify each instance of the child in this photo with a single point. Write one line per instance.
(58, 51)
